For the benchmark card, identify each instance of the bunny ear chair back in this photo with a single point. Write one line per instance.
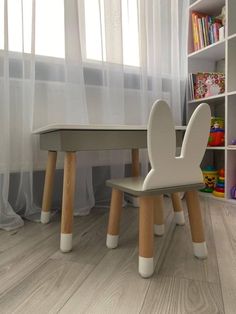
(167, 169)
(168, 174)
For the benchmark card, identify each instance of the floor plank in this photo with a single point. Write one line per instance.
(46, 289)
(171, 295)
(114, 285)
(223, 217)
(20, 260)
(36, 277)
(180, 261)
(89, 246)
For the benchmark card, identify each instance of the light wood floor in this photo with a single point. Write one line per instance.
(35, 277)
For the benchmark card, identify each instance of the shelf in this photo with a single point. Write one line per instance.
(215, 148)
(211, 7)
(231, 36)
(214, 52)
(210, 195)
(218, 57)
(233, 147)
(222, 199)
(231, 64)
(208, 99)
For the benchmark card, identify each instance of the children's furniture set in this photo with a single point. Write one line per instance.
(168, 174)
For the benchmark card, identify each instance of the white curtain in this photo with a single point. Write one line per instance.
(113, 59)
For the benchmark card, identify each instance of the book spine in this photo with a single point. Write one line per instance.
(200, 33)
(215, 32)
(207, 30)
(195, 32)
(195, 46)
(204, 31)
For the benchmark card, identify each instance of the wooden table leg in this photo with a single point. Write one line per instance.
(135, 163)
(48, 186)
(178, 209)
(158, 211)
(135, 172)
(146, 263)
(68, 201)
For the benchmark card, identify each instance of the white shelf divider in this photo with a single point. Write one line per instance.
(207, 99)
(207, 6)
(214, 51)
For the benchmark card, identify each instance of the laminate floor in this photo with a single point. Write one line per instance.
(35, 277)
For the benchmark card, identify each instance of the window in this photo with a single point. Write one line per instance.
(49, 28)
(95, 31)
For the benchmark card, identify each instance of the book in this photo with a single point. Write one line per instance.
(207, 84)
(205, 30)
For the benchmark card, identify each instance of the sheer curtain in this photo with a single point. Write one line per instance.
(87, 62)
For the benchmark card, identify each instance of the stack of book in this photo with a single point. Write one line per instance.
(206, 84)
(205, 30)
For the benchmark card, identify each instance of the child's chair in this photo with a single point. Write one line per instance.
(168, 174)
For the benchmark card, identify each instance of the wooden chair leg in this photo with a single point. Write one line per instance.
(158, 208)
(68, 201)
(48, 186)
(114, 219)
(135, 162)
(178, 209)
(146, 263)
(196, 225)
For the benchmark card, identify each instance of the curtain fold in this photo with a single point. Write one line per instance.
(93, 79)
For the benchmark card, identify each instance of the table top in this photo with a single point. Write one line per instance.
(104, 127)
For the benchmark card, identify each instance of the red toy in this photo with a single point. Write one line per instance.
(216, 137)
(219, 189)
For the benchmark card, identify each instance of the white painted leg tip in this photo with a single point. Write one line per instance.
(66, 242)
(45, 217)
(146, 266)
(200, 250)
(179, 218)
(112, 241)
(159, 230)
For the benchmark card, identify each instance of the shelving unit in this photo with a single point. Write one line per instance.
(210, 59)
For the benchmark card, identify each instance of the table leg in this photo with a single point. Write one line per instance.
(178, 209)
(68, 201)
(135, 163)
(48, 186)
(158, 211)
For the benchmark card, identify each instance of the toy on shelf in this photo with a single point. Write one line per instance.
(222, 15)
(219, 189)
(217, 132)
(233, 192)
(210, 177)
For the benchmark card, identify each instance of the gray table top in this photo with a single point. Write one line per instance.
(78, 137)
(93, 127)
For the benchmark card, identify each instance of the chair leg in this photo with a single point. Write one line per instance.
(146, 263)
(114, 219)
(68, 201)
(196, 225)
(48, 187)
(158, 208)
(178, 209)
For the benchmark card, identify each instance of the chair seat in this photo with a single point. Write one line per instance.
(134, 185)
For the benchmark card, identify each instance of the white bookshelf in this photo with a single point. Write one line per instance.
(224, 105)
